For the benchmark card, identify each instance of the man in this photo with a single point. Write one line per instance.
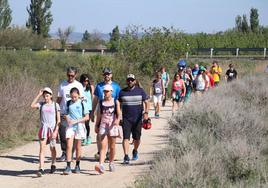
(64, 96)
(132, 99)
(216, 71)
(99, 95)
(165, 78)
(231, 73)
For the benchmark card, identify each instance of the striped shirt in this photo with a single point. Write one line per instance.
(132, 102)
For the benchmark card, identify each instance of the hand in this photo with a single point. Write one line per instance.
(96, 129)
(145, 116)
(71, 122)
(40, 92)
(54, 134)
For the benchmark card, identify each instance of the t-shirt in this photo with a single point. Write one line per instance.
(132, 102)
(99, 90)
(195, 72)
(231, 74)
(177, 85)
(165, 78)
(76, 110)
(48, 114)
(201, 82)
(157, 87)
(64, 92)
(88, 99)
(216, 76)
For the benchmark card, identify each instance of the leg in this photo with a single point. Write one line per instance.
(42, 153)
(53, 155)
(69, 148)
(136, 134)
(62, 133)
(103, 148)
(127, 126)
(111, 141)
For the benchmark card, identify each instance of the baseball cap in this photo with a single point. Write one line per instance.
(108, 87)
(106, 70)
(131, 76)
(47, 89)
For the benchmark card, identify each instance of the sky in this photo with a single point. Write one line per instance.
(190, 16)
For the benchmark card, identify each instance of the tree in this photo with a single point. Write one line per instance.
(238, 23)
(64, 35)
(115, 38)
(40, 17)
(86, 36)
(5, 14)
(254, 20)
(245, 27)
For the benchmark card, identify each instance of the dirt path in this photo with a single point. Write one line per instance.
(18, 167)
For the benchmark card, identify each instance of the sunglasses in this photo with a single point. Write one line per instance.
(106, 91)
(130, 80)
(106, 74)
(86, 80)
(71, 75)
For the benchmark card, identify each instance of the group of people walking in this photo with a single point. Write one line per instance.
(116, 112)
(79, 102)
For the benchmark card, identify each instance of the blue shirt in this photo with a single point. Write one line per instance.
(88, 99)
(76, 110)
(132, 102)
(99, 90)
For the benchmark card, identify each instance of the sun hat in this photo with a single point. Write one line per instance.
(47, 89)
(108, 87)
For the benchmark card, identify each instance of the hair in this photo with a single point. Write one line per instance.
(175, 76)
(72, 69)
(83, 77)
(74, 90)
(45, 92)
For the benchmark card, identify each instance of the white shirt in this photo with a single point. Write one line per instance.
(64, 92)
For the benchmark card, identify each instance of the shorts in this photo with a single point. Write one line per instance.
(104, 131)
(157, 98)
(132, 127)
(78, 131)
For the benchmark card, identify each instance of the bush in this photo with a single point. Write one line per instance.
(217, 140)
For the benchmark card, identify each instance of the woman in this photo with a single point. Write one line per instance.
(49, 126)
(178, 91)
(107, 121)
(88, 96)
(202, 81)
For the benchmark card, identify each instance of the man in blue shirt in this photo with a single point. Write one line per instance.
(99, 95)
(132, 99)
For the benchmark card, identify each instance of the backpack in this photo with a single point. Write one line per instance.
(55, 106)
(68, 104)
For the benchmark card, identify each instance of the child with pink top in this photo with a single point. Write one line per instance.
(107, 127)
(178, 91)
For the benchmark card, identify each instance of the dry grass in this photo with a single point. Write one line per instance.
(217, 140)
(17, 121)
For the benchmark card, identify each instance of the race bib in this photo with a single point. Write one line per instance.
(158, 91)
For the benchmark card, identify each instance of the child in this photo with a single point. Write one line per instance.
(76, 115)
(107, 120)
(178, 91)
(49, 126)
(158, 91)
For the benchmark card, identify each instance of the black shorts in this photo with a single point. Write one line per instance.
(133, 127)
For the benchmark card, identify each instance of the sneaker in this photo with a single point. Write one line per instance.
(67, 171)
(157, 116)
(89, 140)
(111, 167)
(135, 156)
(63, 157)
(77, 169)
(84, 142)
(126, 160)
(52, 169)
(97, 156)
(40, 172)
(99, 168)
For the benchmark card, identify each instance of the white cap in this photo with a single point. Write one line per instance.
(131, 76)
(47, 89)
(108, 87)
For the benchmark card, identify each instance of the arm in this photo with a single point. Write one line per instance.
(146, 109)
(34, 103)
(118, 113)
(94, 105)
(163, 90)
(98, 120)
(59, 100)
(184, 88)
(56, 129)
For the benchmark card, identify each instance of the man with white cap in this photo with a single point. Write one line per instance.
(135, 107)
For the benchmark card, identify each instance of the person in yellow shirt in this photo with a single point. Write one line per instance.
(216, 71)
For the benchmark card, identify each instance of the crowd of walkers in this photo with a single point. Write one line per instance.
(115, 112)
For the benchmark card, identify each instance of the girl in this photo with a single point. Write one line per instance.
(88, 96)
(202, 81)
(76, 115)
(158, 91)
(49, 126)
(178, 91)
(107, 121)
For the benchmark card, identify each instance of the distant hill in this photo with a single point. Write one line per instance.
(77, 36)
